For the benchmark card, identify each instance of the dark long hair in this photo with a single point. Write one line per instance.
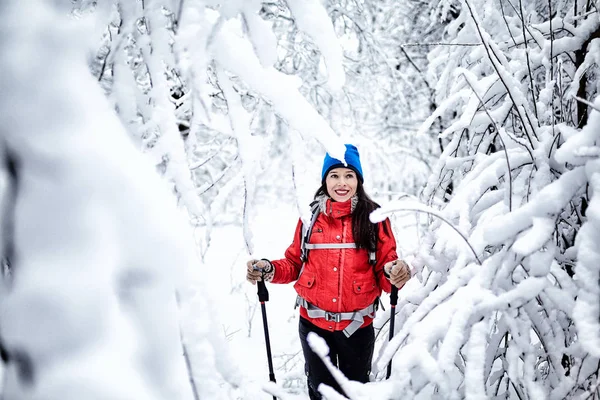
(364, 231)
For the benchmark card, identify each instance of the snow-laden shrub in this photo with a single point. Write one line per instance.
(513, 311)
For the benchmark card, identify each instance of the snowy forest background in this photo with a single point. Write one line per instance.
(150, 147)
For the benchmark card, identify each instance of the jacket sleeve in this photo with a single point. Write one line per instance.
(288, 269)
(386, 252)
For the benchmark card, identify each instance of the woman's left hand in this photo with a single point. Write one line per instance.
(398, 273)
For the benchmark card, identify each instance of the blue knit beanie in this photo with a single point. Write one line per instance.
(352, 159)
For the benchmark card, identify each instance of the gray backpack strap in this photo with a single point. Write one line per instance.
(307, 230)
(373, 254)
(372, 258)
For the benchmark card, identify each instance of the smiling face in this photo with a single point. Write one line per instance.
(341, 184)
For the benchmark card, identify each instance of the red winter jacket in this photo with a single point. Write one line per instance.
(336, 280)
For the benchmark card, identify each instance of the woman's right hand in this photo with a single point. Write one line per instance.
(257, 269)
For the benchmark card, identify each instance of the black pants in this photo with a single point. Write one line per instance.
(351, 355)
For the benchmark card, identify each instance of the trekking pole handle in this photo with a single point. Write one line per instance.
(263, 293)
(394, 295)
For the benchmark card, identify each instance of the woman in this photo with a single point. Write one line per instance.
(350, 262)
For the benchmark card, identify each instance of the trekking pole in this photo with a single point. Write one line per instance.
(393, 303)
(263, 295)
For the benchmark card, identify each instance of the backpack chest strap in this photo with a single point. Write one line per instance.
(357, 317)
(316, 246)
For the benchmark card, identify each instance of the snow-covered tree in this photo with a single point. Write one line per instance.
(92, 243)
(196, 83)
(509, 301)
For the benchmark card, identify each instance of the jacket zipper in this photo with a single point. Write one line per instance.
(341, 267)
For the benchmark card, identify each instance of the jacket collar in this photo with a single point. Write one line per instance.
(334, 208)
